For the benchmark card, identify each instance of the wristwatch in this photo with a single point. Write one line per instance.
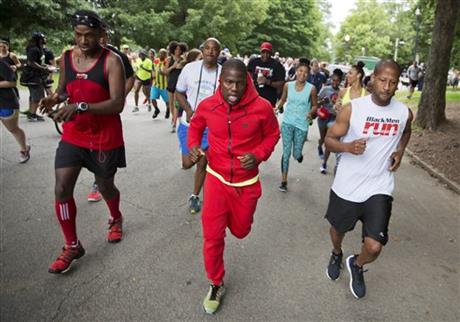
(82, 107)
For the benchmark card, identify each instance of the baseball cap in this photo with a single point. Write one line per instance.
(37, 35)
(124, 47)
(266, 46)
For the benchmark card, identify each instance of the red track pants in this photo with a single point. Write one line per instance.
(225, 206)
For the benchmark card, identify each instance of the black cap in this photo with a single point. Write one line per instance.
(38, 35)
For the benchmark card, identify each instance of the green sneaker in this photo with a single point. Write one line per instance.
(212, 300)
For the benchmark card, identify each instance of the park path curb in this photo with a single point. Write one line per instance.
(435, 173)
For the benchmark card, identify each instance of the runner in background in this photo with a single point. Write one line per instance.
(299, 112)
(327, 98)
(143, 79)
(160, 82)
(9, 107)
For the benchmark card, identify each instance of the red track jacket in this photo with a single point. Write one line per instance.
(250, 126)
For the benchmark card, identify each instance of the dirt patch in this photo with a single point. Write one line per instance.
(441, 148)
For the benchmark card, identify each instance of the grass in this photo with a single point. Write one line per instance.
(451, 97)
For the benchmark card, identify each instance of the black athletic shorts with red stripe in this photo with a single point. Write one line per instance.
(374, 213)
(102, 163)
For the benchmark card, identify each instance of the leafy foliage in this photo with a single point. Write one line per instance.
(294, 26)
(375, 26)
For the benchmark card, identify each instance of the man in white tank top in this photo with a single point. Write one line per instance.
(371, 132)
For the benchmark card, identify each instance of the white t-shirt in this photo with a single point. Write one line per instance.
(360, 177)
(197, 82)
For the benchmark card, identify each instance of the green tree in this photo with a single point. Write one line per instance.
(364, 31)
(375, 26)
(431, 111)
(295, 28)
(20, 18)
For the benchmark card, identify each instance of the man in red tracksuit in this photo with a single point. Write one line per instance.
(243, 132)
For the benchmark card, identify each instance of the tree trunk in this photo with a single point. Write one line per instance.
(431, 110)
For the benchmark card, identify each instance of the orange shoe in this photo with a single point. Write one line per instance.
(115, 233)
(94, 195)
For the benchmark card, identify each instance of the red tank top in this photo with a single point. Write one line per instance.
(87, 130)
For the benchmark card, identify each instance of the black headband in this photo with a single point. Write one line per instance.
(87, 20)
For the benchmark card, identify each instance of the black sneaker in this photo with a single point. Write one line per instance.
(334, 267)
(167, 114)
(32, 117)
(155, 114)
(300, 159)
(357, 285)
(283, 187)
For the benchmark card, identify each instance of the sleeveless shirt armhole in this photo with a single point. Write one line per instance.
(105, 65)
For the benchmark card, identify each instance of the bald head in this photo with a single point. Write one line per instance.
(234, 64)
(387, 63)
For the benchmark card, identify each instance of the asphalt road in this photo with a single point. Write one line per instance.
(156, 273)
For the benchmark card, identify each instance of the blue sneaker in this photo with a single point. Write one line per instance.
(357, 285)
(334, 266)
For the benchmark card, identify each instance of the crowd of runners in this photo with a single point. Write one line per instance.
(225, 111)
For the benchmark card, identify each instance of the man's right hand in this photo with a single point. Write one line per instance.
(357, 147)
(47, 103)
(195, 154)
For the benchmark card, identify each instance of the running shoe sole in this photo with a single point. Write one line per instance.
(114, 241)
(351, 276)
(94, 200)
(68, 268)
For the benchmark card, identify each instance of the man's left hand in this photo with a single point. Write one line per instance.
(248, 161)
(395, 159)
(65, 113)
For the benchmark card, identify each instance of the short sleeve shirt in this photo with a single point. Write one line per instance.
(8, 98)
(197, 82)
(272, 70)
(318, 80)
(35, 54)
(144, 71)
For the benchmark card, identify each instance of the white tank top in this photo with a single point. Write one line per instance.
(360, 177)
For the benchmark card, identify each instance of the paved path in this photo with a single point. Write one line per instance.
(156, 272)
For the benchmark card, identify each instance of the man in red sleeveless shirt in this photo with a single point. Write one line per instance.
(92, 80)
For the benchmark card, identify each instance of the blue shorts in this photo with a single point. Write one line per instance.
(155, 94)
(182, 131)
(8, 113)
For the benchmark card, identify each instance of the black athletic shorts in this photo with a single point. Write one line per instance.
(102, 163)
(374, 213)
(147, 82)
(37, 92)
(413, 82)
